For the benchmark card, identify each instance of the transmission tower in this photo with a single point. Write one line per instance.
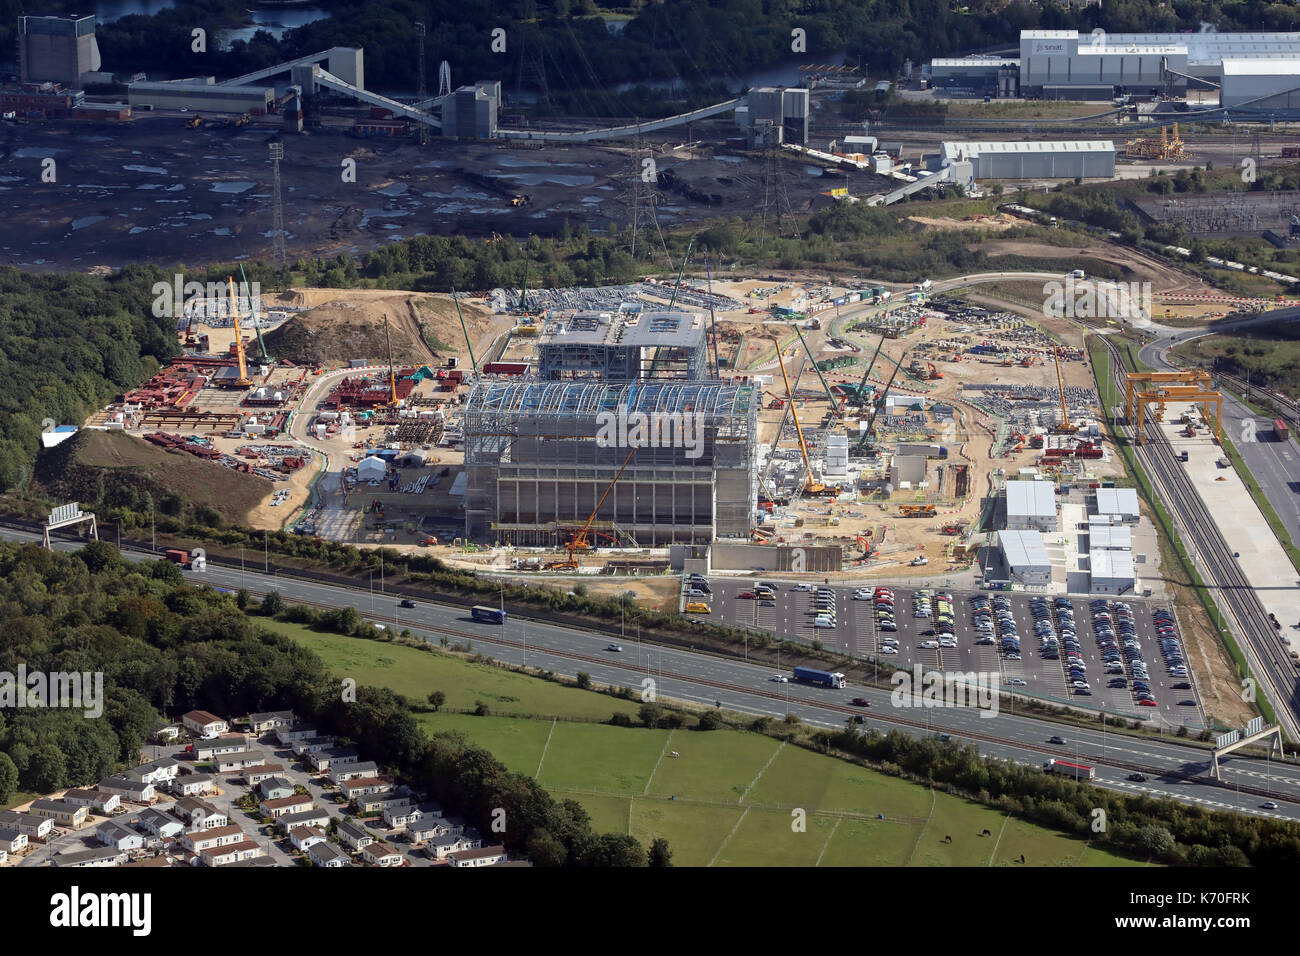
(277, 204)
(422, 134)
(444, 78)
(643, 195)
(776, 200)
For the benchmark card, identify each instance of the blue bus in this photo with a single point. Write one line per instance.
(490, 614)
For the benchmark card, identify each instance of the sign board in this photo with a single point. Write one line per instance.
(1227, 739)
(64, 513)
(840, 191)
(1254, 727)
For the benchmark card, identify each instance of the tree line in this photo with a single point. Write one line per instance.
(165, 647)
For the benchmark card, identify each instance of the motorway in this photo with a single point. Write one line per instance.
(1173, 769)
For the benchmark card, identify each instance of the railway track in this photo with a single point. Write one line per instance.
(1272, 667)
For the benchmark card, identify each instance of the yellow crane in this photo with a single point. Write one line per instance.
(243, 381)
(392, 374)
(812, 486)
(1064, 428)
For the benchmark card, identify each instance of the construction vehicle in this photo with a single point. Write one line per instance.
(393, 401)
(1064, 427)
(918, 511)
(954, 529)
(579, 541)
(243, 381)
(811, 486)
(194, 122)
(519, 199)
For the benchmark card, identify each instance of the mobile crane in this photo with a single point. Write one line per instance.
(393, 401)
(579, 542)
(243, 381)
(812, 486)
(1064, 428)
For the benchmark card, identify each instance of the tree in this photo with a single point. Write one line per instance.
(660, 853)
(710, 720)
(437, 699)
(584, 680)
(272, 604)
(651, 714)
(241, 599)
(481, 709)
(8, 779)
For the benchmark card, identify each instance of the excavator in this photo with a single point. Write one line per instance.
(580, 542)
(812, 486)
(1064, 427)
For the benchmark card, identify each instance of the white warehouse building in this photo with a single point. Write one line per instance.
(1272, 83)
(1025, 556)
(1031, 506)
(1064, 64)
(1034, 159)
(1111, 571)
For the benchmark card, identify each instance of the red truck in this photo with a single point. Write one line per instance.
(177, 556)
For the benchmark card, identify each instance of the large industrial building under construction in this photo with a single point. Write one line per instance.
(541, 456)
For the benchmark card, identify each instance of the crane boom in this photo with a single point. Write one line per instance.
(266, 356)
(871, 422)
(812, 486)
(870, 365)
(239, 337)
(835, 410)
(392, 374)
(1065, 428)
(580, 539)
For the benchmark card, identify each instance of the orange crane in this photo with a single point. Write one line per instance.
(579, 542)
(812, 486)
(1064, 428)
(243, 381)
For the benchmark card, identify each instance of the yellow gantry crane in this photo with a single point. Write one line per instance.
(243, 381)
(1194, 387)
(812, 486)
(1064, 428)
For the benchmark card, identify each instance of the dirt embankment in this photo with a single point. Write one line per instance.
(342, 325)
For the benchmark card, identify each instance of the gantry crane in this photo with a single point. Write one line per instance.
(811, 486)
(579, 542)
(1064, 427)
(243, 381)
(1178, 393)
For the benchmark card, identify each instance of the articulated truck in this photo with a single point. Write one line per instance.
(1076, 770)
(808, 675)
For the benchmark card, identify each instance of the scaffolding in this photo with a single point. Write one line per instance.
(539, 456)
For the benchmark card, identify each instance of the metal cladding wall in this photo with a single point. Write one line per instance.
(1266, 88)
(1051, 165)
(728, 556)
(199, 97)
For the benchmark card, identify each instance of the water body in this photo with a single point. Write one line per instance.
(146, 169)
(85, 221)
(518, 161)
(536, 179)
(275, 21)
(238, 186)
(782, 74)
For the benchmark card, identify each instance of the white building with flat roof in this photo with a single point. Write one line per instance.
(1120, 503)
(1031, 506)
(1111, 572)
(1026, 557)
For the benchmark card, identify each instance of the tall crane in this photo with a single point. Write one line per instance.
(579, 542)
(870, 365)
(835, 410)
(865, 441)
(266, 356)
(1064, 428)
(780, 428)
(243, 381)
(811, 486)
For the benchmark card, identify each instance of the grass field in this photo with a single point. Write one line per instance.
(728, 798)
(416, 674)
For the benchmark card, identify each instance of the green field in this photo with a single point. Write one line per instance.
(416, 674)
(729, 798)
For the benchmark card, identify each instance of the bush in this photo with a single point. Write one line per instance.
(584, 680)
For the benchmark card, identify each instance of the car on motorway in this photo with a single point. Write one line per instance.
(1137, 778)
(1268, 805)
(1057, 740)
(614, 647)
(780, 679)
(406, 602)
(860, 702)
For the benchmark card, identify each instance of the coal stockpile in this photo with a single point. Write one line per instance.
(671, 181)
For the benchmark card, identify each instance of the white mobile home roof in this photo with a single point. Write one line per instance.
(1030, 499)
(1024, 549)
